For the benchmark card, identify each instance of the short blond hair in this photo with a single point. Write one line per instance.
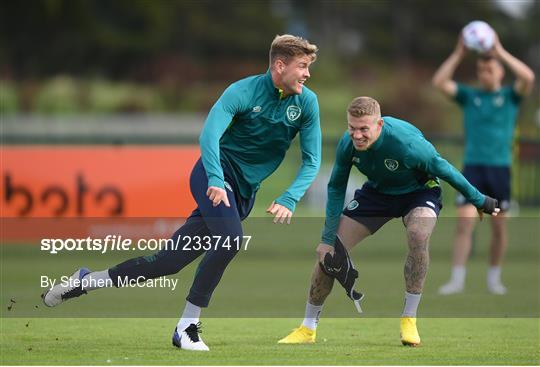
(286, 47)
(362, 106)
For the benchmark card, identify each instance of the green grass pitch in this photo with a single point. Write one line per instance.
(262, 297)
(253, 342)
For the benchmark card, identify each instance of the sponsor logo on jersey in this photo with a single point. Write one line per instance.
(257, 109)
(352, 205)
(293, 112)
(391, 164)
(498, 101)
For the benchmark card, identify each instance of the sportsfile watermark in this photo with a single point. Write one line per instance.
(272, 279)
(92, 283)
(119, 243)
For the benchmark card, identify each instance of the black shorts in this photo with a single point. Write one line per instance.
(489, 180)
(373, 209)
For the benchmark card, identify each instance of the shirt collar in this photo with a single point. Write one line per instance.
(271, 87)
(379, 141)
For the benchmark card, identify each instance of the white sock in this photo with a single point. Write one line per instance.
(311, 318)
(411, 304)
(190, 315)
(96, 280)
(458, 274)
(494, 275)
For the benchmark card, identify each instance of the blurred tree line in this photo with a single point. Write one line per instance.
(188, 50)
(141, 38)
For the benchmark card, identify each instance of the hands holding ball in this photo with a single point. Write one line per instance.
(479, 36)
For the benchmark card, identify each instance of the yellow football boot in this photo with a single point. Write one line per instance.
(408, 332)
(301, 335)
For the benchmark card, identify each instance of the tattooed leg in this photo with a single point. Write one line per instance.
(420, 223)
(350, 232)
(321, 286)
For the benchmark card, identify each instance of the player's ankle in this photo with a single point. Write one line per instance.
(311, 318)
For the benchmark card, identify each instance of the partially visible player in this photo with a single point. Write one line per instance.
(244, 140)
(489, 114)
(403, 171)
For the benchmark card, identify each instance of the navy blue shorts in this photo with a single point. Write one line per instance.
(489, 180)
(373, 209)
(199, 183)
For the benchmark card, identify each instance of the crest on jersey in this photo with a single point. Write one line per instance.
(352, 205)
(391, 164)
(293, 112)
(498, 101)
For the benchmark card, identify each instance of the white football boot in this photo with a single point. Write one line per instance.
(497, 288)
(65, 290)
(451, 288)
(189, 338)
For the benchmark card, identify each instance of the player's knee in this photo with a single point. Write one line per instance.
(236, 235)
(229, 244)
(465, 226)
(498, 232)
(418, 239)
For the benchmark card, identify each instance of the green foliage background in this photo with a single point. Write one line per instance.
(101, 57)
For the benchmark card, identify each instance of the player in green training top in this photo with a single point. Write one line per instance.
(403, 171)
(490, 114)
(244, 140)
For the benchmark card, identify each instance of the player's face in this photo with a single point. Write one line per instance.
(294, 74)
(364, 130)
(490, 73)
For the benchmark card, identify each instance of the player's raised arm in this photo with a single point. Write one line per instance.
(524, 75)
(443, 77)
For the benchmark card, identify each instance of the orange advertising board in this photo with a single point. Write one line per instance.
(96, 181)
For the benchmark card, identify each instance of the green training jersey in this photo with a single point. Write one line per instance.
(489, 120)
(250, 128)
(400, 161)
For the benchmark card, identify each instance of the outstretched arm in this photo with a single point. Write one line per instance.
(441, 168)
(443, 77)
(310, 144)
(524, 75)
(424, 157)
(337, 187)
